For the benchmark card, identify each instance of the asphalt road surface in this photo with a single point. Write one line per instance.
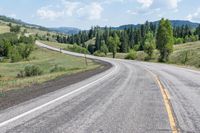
(131, 97)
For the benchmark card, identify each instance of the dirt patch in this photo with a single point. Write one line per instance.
(14, 97)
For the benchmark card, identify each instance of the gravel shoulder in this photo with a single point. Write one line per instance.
(14, 97)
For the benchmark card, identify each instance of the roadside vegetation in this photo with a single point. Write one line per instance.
(23, 64)
(42, 65)
(147, 42)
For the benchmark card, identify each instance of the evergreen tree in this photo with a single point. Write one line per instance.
(149, 44)
(98, 42)
(164, 39)
(114, 43)
(197, 32)
(104, 48)
(124, 42)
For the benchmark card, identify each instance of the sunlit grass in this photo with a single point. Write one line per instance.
(46, 60)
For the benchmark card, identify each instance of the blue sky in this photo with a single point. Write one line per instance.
(86, 13)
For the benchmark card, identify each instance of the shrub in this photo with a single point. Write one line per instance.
(131, 55)
(29, 71)
(78, 49)
(136, 47)
(141, 56)
(57, 68)
(99, 53)
(15, 29)
(178, 40)
(26, 40)
(14, 54)
(25, 50)
(4, 47)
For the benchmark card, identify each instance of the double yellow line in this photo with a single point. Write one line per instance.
(166, 98)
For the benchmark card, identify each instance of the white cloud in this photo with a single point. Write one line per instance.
(143, 11)
(169, 4)
(92, 11)
(155, 7)
(70, 7)
(50, 14)
(194, 16)
(145, 3)
(173, 3)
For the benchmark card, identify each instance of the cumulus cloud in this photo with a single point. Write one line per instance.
(71, 7)
(155, 7)
(170, 4)
(91, 11)
(47, 13)
(145, 3)
(194, 16)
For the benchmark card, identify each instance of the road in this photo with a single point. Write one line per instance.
(131, 97)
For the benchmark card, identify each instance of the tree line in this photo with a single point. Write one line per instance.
(137, 38)
(14, 48)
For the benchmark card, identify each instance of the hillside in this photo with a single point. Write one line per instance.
(175, 23)
(64, 30)
(47, 61)
(186, 54)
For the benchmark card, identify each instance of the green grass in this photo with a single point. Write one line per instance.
(46, 60)
(118, 55)
(58, 45)
(4, 29)
(186, 54)
(90, 42)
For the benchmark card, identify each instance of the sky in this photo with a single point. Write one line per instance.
(86, 13)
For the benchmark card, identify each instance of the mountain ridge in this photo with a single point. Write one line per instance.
(74, 30)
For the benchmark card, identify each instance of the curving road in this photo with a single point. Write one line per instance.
(131, 97)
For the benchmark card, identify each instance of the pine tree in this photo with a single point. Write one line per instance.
(104, 48)
(114, 43)
(149, 44)
(164, 39)
(197, 32)
(124, 42)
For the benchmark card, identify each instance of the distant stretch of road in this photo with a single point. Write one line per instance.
(130, 97)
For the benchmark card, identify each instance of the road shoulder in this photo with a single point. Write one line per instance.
(15, 97)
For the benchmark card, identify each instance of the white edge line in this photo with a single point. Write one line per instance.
(55, 100)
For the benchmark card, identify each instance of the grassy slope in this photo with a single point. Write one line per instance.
(186, 54)
(46, 60)
(58, 45)
(4, 28)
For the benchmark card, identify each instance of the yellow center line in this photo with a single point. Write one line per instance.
(166, 99)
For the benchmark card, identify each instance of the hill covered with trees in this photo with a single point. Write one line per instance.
(130, 38)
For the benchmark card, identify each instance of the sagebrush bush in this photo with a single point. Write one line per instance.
(99, 53)
(29, 71)
(131, 55)
(14, 54)
(78, 49)
(141, 56)
(57, 68)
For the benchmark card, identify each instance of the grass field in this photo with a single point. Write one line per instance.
(46, 60)
(186, 54)
(4, 28)
(57, 45)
